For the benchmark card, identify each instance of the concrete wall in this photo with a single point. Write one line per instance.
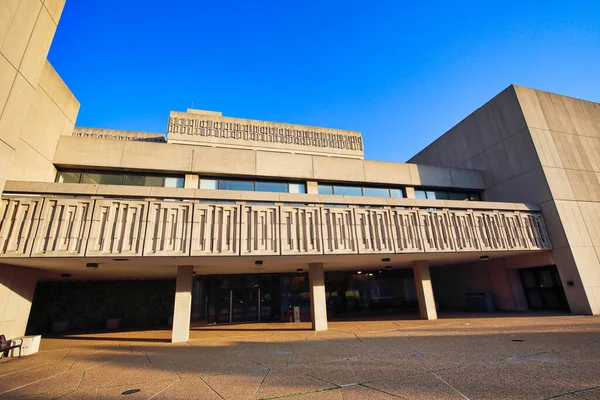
(17, 285)
(94, 153)
(566, 136)
(52, 113)
(540, 148)
(26, 31)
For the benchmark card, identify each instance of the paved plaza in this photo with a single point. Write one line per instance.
(456, 357)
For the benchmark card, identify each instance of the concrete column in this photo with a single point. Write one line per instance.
(424, 290)
(182, 313)
(17, 286)
(312, 187)
(318, 302)
(410, 192)
(191, 181)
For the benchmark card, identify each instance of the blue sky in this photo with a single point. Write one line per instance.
(401, 72)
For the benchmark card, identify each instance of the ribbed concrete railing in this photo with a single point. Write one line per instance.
(78, 227)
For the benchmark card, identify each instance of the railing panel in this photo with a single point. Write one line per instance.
(464, 230)
(406, 231)
(301, 230)
(489, 230)
(76, 227)
(512, 231)
(19, 221)
(64, 228)
(535, 232)
(118, 228)
(339, 235)
(436, 231)
(168, 230)
(216, 230)
(260, 230)
(374, 230)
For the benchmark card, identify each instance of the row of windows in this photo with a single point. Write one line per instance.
(252, 185)
(447, 195)
(140, 179)
(344, 190)
(120, 178)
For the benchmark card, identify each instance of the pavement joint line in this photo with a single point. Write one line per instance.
(298, 394)
(455, 389)
(165, 388)
(263, 379)
(573, 392)
(382, 391)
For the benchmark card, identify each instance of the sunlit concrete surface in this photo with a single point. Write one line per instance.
(527, 356)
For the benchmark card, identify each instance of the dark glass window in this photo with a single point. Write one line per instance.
(104, 178)
(399, 193)
(347, 190)
(143, 180)
(325, 189)
(236, 185)
(280, 187)
(252, 185)
(447, 195)
(119, 178)
(69, 177)
(376, 192)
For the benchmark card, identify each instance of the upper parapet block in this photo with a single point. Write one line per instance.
(210, 128)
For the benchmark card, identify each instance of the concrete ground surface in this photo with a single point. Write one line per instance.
(477, 357)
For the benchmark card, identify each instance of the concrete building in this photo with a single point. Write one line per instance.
(228, 220)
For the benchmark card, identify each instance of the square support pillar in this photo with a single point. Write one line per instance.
(182, 313)
(424, 290)
(318, 302)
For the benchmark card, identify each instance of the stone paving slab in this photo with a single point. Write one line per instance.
(498, 356)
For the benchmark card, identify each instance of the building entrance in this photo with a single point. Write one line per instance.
(543, 288)
(240, 298)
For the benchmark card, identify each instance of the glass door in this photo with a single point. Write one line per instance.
(543, 288)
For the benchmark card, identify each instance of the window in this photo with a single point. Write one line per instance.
(376, 192)
(279, 187)
(252, 185)
(347, 190)
(325, 189)
(236, 185)
(119, 178)
(447, 195)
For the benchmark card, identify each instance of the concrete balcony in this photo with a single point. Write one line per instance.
(41, 220)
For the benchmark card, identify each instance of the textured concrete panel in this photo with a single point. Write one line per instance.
(168, 230)
(20, 218)
(436, 231)
(64, 228)
(301, 230)
(260, 230)
(216, 230)
(406, 231)
(374, 229)
(118, 228)
(339, 234)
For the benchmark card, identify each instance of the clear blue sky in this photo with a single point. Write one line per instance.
(401, 72)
